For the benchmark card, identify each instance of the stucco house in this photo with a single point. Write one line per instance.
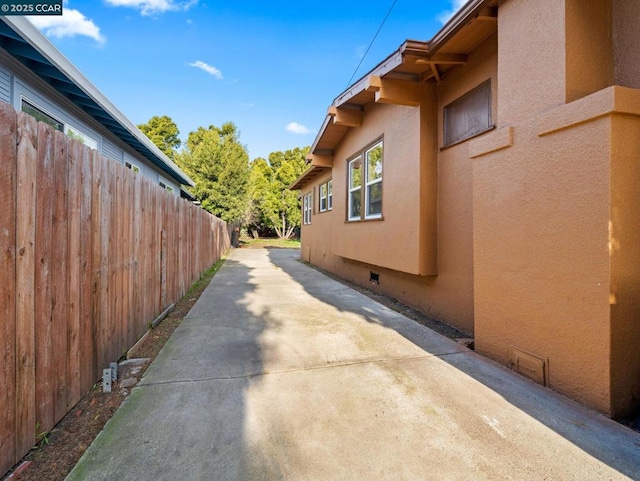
(489, 178)
(36, 78)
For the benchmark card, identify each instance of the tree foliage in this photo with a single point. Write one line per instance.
(273, 205)
(163, 132)
(219, 165)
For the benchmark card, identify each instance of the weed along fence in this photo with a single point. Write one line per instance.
(90, 253)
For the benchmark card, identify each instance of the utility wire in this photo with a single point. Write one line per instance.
(372, 40)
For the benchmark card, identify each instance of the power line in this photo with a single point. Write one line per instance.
(372, 40)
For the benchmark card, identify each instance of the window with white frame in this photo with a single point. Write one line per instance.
(365, 172)
(326, 197)
(41, 115)
(323, 198)
(81, 137)
(132, 166)
(165, 186)
(355, 188)
(307, 208)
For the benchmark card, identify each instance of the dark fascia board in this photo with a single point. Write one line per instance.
(468, 11)
(32, 37)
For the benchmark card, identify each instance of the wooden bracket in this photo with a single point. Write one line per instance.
(393, 91)
(346, 117)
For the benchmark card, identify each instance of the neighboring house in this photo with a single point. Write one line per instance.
(36, 78)
(490, 178)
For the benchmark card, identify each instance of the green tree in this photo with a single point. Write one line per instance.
(163, 132)
(273, 204)
(219, 165)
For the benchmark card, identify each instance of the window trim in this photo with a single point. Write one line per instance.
(134, 167)
(307, 206)
(351, 190)
(42, 111)
(365, 184)
(165, 186)
(446, 115)
(368, 183)
(327, 196)
(80, 136)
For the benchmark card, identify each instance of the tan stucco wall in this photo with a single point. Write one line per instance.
(394, 241)
(555, 182)
(626, 38)
(427, 203)
(540, 252)
(624, 248)
(588, 47)
(537, 239)
(531, 73)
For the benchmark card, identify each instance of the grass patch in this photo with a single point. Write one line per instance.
(278, 243)
(206, 277)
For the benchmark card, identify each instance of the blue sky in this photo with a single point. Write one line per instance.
(272, 68)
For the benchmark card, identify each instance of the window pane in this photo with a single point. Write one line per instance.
(82, 137)
(41, 116)
(323, 197)
(374, 163)
(330, 195)
(354, 204)
(355, 179)
(374, 199)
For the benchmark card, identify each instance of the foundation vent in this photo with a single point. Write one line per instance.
(374, 278)
(530, 365)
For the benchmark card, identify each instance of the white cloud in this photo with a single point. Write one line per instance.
(296, 128)
(70, 24)
(444, 17)
(207, 68)
(153, 7)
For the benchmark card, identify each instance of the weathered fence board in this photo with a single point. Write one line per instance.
(90, 253)
(7, 285)
(25, 285)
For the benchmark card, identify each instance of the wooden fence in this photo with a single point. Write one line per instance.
(90, 253)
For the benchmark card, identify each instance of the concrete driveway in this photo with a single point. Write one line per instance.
(281, 373)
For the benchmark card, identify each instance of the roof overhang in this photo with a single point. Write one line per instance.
(398, 78)
(22, 40)
(309, 175)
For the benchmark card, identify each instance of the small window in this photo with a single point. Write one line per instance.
(366, 170)
(355, 188)
(80, 136)
(165, 186)
(469, 115)
(326, 196)
(307, 206)
(373, 201)
(323, 198)
(41, 115)
(133, 167)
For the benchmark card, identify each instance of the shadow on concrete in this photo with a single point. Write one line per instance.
(600, 437)
(186, 418)
(279, 369)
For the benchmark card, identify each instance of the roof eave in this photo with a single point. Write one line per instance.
(42, 45)
(413, 47)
